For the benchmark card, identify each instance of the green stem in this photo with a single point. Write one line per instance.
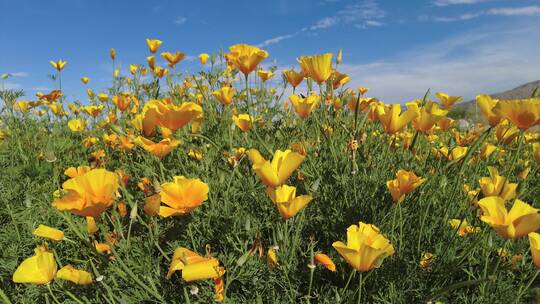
(360, 282)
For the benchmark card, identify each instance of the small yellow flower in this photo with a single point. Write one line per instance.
(462, 227)
(243, 121)
(173, 59)
(58, 65)
(182, 195)
(304, 106)
(159, 149)
(392, 120)
(153, 45)
(225, 95)
(406, 182)
(272, 259)
(112, 53)
(193, 266)
(426, 260)
(85, 80)
(366, 247)
(534, 241)
(496, 185)
(276, 172)
(246, 57)
(203, 58)
(447, 101)
(195, 154)
(77, 125)
(487, 106)
(326, 261)
(293, 78)
(265, 75)
(318, 67)
(286, 201)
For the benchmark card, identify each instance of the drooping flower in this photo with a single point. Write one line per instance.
(293, 78)
(37, 269)
(323, 259)
(182, 195)
(366, 247)
(160, 149)
(243, 121)
(153, 45)
(519, 221)
(48, 233)
(88, 194)
(246, 57)
(304, 106)
(77, 125)
(225, 95)
(286, 201)
(79, 277)
(462, 227)
(447, 101)
(276, 172)
(339, 79)
(193, 266)
(496, 185)
(534, 241)
(406, 182)
(318, 67)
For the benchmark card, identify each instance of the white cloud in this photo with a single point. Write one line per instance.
(489, 62)
(11, 86)
(19, 74)
(515, 11)
(180, 20)
(454, 2)
(500, 11)
(363, 15)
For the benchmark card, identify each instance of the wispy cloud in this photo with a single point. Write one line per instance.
(454, 2)
(362, 15)
(500, 11)
(488, 62)
(20, 74)
(180, 20)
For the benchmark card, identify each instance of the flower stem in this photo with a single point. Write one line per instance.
(360, 282)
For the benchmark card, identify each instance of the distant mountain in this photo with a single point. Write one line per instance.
(523, 91)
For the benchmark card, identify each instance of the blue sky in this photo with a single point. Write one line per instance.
(398, 49)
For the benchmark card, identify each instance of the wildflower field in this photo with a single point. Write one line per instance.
(243, 185)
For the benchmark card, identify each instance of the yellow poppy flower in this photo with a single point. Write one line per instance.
(366, 247)
(496, 185)
(77, 125)
(88, 194)
(174, 117)
(534, 241)
(523, 113)
(457, 153)
(265, 75)
(91, 226)
(406, 182)
(37, 269)
(161, 72)
(318, 67)
(159, 149)
(182, 195)
(286, 201)
(133, 68)
(243, 121)
(58, 65)
(293, 78)
(93, 111)
(304, 106)
(121, 102)
(246, 57)
(487, 105)
(225, 95)
(73, 172)
(513, 224)
(85, 80)
(272, 259)
(48, 233)
(276, 172)
(447, 101)
(153, 45)
(173, 59)
(79, 277)
(339, 79)
(193, 266)
(428, 115)
(392, 121)
(463, 228)
(203, 58)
